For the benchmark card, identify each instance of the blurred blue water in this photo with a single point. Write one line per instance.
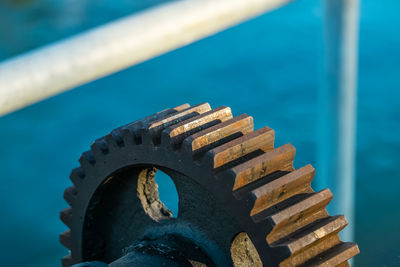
(267, 67)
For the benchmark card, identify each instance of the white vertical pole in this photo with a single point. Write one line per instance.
(337, 111)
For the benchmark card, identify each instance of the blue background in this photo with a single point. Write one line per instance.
(268, 68)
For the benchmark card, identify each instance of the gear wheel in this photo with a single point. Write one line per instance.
(241, 202)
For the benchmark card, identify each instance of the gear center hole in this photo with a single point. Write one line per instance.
(167, 192)
(158, 194)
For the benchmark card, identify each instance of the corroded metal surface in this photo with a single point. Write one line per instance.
(241, 202)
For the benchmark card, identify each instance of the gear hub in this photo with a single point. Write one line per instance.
(241, 202)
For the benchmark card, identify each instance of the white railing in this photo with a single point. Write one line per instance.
(58, 67)
(61, 66)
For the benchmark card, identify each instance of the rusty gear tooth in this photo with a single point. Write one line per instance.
(282, 188)
(117, 137)
(312, 240)
(114, 140)
(181, 107)
(176, 133)
(87, 160)
(294, 213)
(246, 192)
(66, 217)
(99, 147)
(65, 239)
(255, 143)
(219, 134)
(279, 159)
(146, 121)
(131, 136)
(152, 132)
(336, 256)
(70, 194)
(131, 132)
(177, 117)
(77, 175)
